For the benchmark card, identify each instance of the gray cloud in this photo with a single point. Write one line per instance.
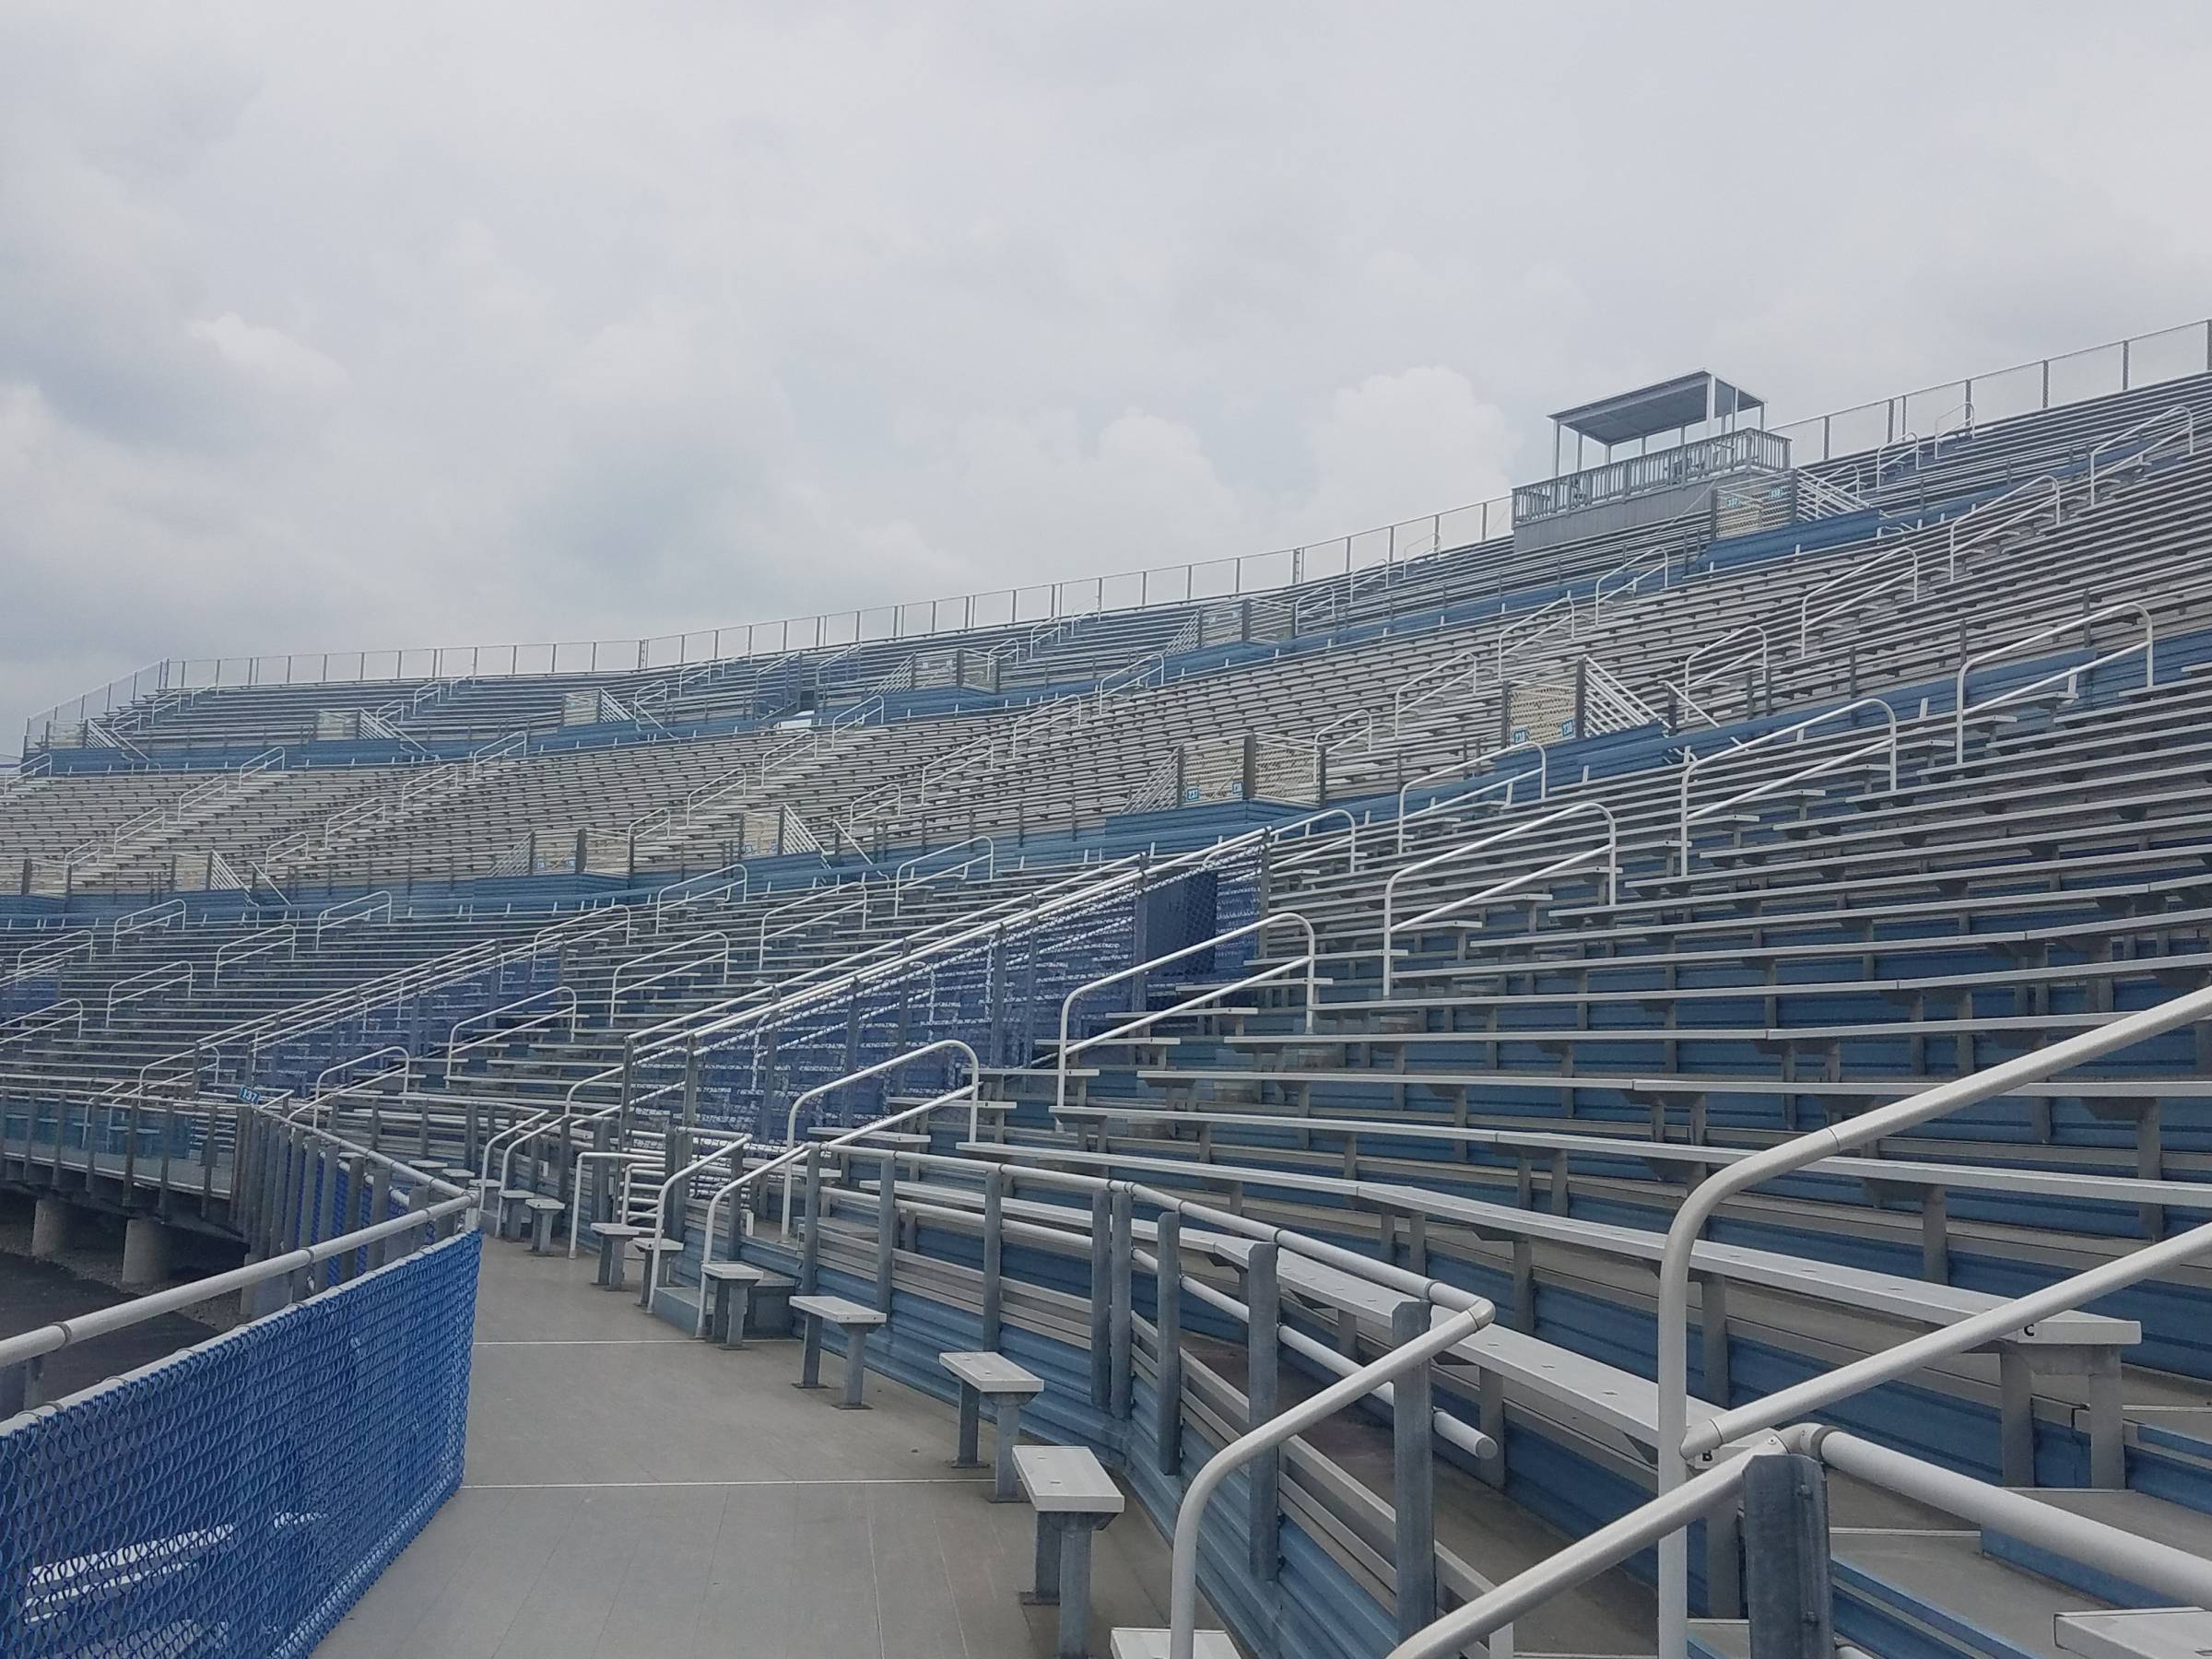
(434, 323)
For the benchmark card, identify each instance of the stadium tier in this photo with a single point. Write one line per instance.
(1712, 987)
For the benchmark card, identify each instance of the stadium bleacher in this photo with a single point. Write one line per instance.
(1467, 915)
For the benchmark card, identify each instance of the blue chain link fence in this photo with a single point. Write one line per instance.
(239, 1497)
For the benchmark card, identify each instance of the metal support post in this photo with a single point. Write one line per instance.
(995, 1243)
(1263, 1298)
(886, 1228)
(1101, 1312)
(1122, 1314)
(810, 1251)
(1414, 1503)
(1785, 1558)
(1167, 1321)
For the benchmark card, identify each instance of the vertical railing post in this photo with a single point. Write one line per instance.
(1123, 1315)
(1414, 1503)
(1263, 1299)
(886, 1228)
(1101, 1312)
(994, 1240)
(1786, 1558)
(810, 1251)
(1167, 1323)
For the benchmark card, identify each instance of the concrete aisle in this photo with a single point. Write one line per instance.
(629, 1492)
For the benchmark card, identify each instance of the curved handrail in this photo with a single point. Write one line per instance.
(165, 977)
(455, 1048)
(1737, 750)
(791, 1156)
(2024, 510)
(900, 881)
(1138, 970)
(1560, 866)
(2188, 433)
(1461, 767)
(1702, 1199)
(739, 882)
(721, 957)
(261, 942)
(729, 1148)
(1183, 1593)
(349, 911)
(974, 1086)
(405, 1070)
(2147, 645)
(166, 913)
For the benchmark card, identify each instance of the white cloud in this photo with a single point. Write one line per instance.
(330, 327)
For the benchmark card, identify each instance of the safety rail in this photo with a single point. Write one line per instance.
(345, 913)
(262, 943)
(1358, 724)
(1532, 629)
(730, 881)
(1828, 499)
(719, 960)
(139, 986)
(1310, 961)
(562, 1005)
(1303, 829)
(1460, 768)
(22, 1027)
(586, 924)
(1961, 711)
(1992, 521)
(734, 1148)
(1420, 690)
(317, 1095)
(33, 962)
(1871, 580)
(1822, 767)
(1757, 655)
(1611, 703)
(1677, 1443)
(1416, 1341)
(1573, 861)
(2162, 427)
(902, 877)
(166, 913)
(1629, 576)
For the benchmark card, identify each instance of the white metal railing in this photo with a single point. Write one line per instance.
(1533, 628)
(1962, 711)
(985, 852)
(731, 882)
(1460, 768)
(404, 1071)
(139, 986)
(1828, 499)
(1753, 653)
(1994, 520)
(2158, 432)
(22, 1027)
(718, 959)
(1610, 850)
(1629, 576)
(166, 913)
(1882, 574)
(1310, 963)
(35, 962)
(1698, 1204)
(1829, 763)
(558, 1005)
(268, 940)
(1463, 668)
(348, 911)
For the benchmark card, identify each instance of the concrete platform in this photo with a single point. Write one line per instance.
(632, 1492)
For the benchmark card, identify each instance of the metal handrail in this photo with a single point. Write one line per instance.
(166, 913)
(2147, 645)
(1634, 570)
(1702, 1200)
(255, 944)
(1875, 576)
(163, 978)
(53, 1014)
(1141, 969)
(1461, 767)
(1466, 664)
(2188, 434)
(614, 992)
(739, 882)
(586, 924)
(942, 1045)
(2024, 510)
(730, 1149)
(455, 1048)
(405, 1070)
(1183, 1592)
(1820, 768)
(1560, 866)
(989, 845)
(791, 1156)
(349, 911)
(1528, 634)
(1688, 684)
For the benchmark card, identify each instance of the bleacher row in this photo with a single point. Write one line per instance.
(1798, 824)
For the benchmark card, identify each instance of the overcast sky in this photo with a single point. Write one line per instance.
(337, 326)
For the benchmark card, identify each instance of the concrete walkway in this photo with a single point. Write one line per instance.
(630, 1492)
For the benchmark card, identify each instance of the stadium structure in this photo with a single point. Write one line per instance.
(1620, 1071)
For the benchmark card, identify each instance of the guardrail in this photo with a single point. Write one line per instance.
(1573, 861)
(1821, 768)
(1459, 769)
(2148, 646)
